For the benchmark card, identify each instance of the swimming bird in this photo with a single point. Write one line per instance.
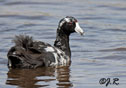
(28, 53)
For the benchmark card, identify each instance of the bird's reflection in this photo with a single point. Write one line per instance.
(63, 77)
(40, 77)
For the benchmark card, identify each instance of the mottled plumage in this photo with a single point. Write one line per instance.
(28, 53)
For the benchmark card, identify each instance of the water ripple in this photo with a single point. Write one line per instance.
(33, 3)
(115, 30)
(112, 7)
(99, 53)
(25, 17)
(116, 49)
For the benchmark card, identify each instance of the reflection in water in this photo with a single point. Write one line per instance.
(99, 54)
(63, 76)
(40, 77)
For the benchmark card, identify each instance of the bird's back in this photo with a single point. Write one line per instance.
(31, 54)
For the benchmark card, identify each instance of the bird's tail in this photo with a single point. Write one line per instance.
(23, 41)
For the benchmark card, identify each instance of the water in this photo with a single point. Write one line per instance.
(100, 53)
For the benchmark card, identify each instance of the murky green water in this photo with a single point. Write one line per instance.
(101, 53)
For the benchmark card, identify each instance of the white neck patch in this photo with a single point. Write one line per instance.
(65, 20)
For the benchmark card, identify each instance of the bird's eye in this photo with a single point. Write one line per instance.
(75, 21)
(70, 23)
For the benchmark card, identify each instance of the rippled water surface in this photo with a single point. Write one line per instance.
(100, 53)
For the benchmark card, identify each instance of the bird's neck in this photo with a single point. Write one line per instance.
(62, 42)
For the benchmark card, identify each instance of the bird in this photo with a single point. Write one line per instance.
(28, 53)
